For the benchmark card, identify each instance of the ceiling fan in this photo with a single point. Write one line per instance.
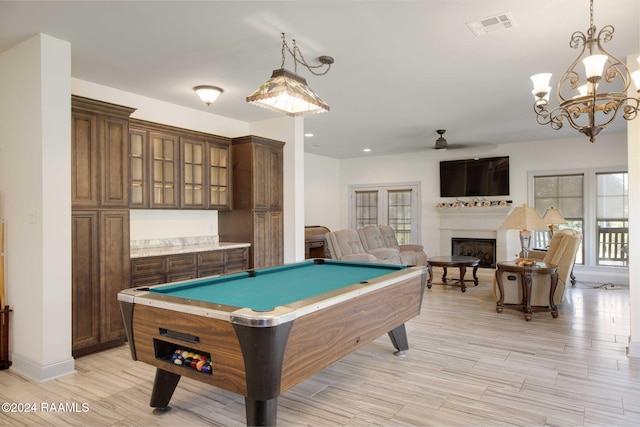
(442, 144)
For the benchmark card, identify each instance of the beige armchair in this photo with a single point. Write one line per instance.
(374, 244)
(410, 254)
(345, 245)
(561, 252)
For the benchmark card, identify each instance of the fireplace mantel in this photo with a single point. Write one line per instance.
(480, 223)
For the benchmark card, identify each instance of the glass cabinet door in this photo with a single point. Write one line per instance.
(218, 176)
(164, 173)
(137, 154)
(193, 187)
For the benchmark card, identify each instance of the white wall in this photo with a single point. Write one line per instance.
(35, 184)
(633, 146)
(321, 184)
(578, 152)
(147, 224)
(157, 111)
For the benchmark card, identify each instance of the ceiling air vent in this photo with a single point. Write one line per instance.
(491, 24)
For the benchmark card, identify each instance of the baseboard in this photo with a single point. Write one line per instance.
(29, 369)
(615, 275)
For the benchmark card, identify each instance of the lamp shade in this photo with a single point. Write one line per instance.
(208, 94)
(524, 218)
(287, 92)
(553, 216)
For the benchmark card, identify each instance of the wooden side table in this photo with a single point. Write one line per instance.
(527, 273)
(461, 262)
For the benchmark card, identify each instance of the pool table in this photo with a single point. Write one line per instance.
(267, 330)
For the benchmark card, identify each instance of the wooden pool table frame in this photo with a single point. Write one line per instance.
(261, 354)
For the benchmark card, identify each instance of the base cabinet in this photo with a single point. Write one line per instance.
(100, 269)
(154, 270)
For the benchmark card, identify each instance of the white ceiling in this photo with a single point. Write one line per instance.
(402, 68)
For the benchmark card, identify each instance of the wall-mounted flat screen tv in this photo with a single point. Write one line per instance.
(475, 177)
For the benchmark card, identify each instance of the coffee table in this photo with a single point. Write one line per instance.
(461, 262)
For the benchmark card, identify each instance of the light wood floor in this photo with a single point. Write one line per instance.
(467, 366)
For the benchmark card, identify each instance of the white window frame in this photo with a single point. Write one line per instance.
(589, 183)
(383, 211)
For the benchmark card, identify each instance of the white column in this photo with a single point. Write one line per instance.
(633, 150)
(35, 185)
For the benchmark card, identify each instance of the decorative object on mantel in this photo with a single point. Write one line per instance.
(484, 203)
(524, 219)
(553, 218)
(580, 103)
(287, 92)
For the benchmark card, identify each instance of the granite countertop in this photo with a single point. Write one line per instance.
(158, 247)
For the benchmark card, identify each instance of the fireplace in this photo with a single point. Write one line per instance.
(478, 223)
(483, 249)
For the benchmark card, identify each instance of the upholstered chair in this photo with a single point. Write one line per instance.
(410, 254)
(374, 244)
(561, 252)
(345, 245)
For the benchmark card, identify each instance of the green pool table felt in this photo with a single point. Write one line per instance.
(277, 286)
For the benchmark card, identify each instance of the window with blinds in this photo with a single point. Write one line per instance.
(388, 204)
(565, 193)
(612, 218)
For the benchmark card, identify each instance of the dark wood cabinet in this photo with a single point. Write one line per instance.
(153, 270)
(177, 168)
(100, 269)
(257, 200)
(85, 282)
(115, 273)
(100, 154)
(100, 222)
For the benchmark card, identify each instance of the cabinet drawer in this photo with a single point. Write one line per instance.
(211, 259)
(181, 263)
(235, 256)
(148, 266)
(211, 271)
(148, 280)
(184, 275)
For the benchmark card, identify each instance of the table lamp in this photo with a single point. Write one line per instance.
(524, 219)
(552, 217)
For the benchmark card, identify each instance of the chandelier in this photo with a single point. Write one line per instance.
(588, 102)
(287, 92)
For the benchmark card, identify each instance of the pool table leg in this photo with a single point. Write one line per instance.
(263, 353)
(399, 340)
(261, 412)
(163, 387)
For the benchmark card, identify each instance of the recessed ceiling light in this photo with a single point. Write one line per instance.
(308, 134)
(366, 150)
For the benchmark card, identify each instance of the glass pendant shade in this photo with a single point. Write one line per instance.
(208, 94)
(287, 92)
(541, 83)
(635, 76)
(593, 66)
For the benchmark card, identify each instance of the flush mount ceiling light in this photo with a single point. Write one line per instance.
(589, 102)
(208, 94)
(287, 92)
